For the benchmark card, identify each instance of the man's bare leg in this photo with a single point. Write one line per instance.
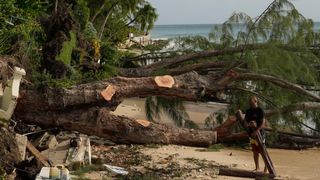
(256, 160)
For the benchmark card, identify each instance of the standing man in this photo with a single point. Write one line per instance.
(254, 120)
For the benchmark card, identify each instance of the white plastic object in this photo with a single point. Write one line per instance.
(8, 100)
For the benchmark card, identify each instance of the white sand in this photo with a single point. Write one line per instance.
(288, 164)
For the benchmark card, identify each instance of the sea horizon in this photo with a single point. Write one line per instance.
(182, 30)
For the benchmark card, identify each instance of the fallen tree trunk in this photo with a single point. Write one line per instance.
(120, 129)
(189, 86)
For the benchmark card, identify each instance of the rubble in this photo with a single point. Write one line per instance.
(46, 141)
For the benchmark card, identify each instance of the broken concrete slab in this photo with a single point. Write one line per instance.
(46, 141)
(64, 154)
(57, 154)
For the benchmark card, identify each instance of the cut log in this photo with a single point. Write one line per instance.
(244, 173)
(144, 123)
(164, 81)
(108, 93)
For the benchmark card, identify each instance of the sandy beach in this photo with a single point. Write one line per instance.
(289, 164)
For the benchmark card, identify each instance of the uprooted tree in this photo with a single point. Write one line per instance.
(275, 57)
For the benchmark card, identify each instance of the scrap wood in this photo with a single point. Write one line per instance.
(34, 151)
(244, 173)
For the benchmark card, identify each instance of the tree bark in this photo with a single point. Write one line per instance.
(119, 129)
(190, 86)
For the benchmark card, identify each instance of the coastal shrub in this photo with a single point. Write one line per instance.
(66, 50)
(81, 13)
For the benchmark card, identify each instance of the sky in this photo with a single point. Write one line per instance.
(217, 11)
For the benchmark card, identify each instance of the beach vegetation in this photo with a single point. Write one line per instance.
(281, 43)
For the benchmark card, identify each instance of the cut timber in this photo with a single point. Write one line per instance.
(244, 173)
(43, 160)
(164, 81)
(108, 93)
(144, 123)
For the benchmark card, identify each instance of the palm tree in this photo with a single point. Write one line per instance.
(144, 16)
(124, 7)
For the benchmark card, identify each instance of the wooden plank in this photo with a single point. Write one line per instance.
(265, 155)
(244, 173)
(34, 151)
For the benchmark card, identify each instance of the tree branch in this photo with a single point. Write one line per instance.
(278, 82)
(301, 106)
(147, 70)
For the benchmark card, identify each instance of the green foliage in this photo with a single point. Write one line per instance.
(117, 32)
(109, 54)
(192, 43)
(105, 72)
(66, 51)
(145, 16)
(15, 12)
(90, 32)
(42, 80)
(81, 13)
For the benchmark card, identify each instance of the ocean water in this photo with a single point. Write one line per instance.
(181, 30)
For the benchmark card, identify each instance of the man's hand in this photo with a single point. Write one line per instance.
(254, 134)
(240, 115)
(252, 124)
